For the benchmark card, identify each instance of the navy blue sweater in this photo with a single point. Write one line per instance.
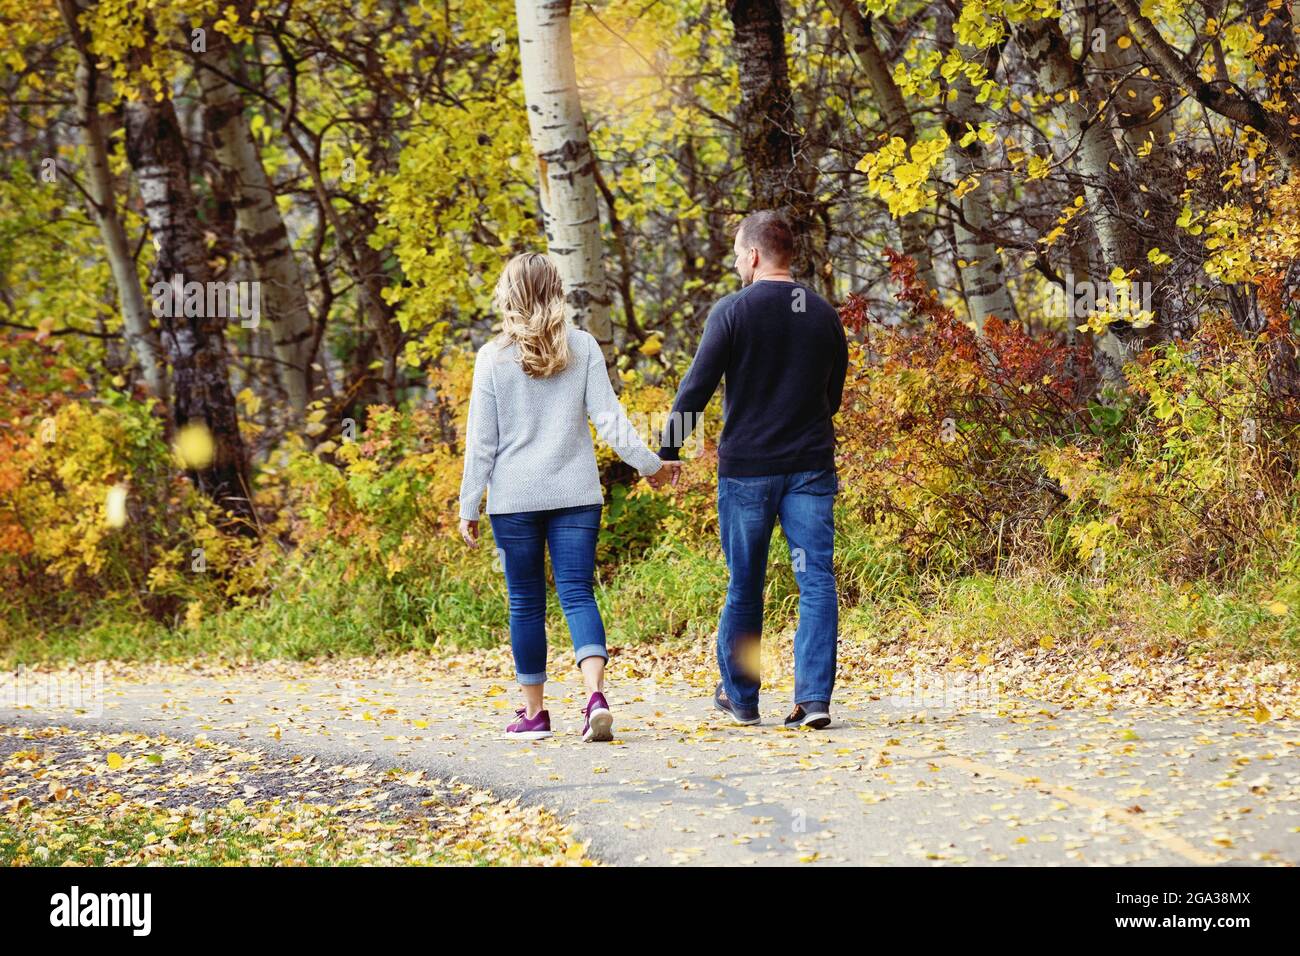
(782, 350)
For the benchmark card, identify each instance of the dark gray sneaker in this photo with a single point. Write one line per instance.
(739, 714)
(814, 714)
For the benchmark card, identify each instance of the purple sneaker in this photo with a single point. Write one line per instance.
(599, 724)
(530, 728)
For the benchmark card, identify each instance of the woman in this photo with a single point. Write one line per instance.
(527, 443)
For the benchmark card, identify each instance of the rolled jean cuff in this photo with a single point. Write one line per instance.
(591, 650)
(530, 679)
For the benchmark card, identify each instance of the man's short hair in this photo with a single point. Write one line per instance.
(770, 234)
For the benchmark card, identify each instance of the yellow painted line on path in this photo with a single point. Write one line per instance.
(1154, 832)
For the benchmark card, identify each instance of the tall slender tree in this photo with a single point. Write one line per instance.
(979, 263)
(137, 327)
(771, 140)
(261, 227)
(565, 167)
(1110, 183)
(858, 32)
(195, 344)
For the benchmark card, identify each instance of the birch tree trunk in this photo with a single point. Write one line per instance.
(195, 345)
(565, 167)
(769, 129)
(258, 219)
(983, 278)
(1100, 162)
(1109, 183)
(982, 272)
(898, 119)
(137, 328)
(1135, 97)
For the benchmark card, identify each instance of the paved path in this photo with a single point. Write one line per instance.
(887, 784)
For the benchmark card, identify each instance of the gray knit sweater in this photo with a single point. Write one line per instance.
(527, 441)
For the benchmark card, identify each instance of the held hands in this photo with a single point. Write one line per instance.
(669, 472)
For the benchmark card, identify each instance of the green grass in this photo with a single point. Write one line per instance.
(94, 842)
(311, 609)
(675, 592)
(1130, 612)
(106, 631)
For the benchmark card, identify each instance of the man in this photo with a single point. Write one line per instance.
(782, 351)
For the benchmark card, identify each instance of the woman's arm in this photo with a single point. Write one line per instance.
(481, 438)
(607, 414)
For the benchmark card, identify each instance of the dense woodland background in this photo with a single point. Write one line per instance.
(1021, 465)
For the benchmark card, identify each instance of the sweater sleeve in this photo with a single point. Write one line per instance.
(839, 370)
(700, 382)
(607, 414)
(480, 438)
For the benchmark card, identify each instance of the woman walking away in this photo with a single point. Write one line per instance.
(527, 443)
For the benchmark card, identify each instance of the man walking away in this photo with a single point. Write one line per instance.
(781, 349)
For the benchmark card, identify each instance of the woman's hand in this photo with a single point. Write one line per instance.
(669, 471)
(469, 531)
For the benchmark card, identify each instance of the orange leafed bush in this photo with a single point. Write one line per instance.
(940, 427)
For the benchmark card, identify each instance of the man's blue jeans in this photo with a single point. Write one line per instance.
(570, 535)
(747, 511)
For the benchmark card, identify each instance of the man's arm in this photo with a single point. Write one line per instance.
(700, 382)
(839, 370)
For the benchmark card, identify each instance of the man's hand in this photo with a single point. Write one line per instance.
(669, 471)
(469, 531)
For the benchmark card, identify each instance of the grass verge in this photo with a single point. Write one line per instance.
(675, 592)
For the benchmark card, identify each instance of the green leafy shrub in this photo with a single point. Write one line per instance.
(1202, 474)
(631, 525)
(97, 511)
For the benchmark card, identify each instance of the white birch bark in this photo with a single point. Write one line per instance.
(260, 224)
(982, 273)
(137, 327)
(565, 166)
(195, 343)
(1109, 185)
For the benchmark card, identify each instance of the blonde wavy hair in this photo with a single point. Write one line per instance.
(530, 299)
